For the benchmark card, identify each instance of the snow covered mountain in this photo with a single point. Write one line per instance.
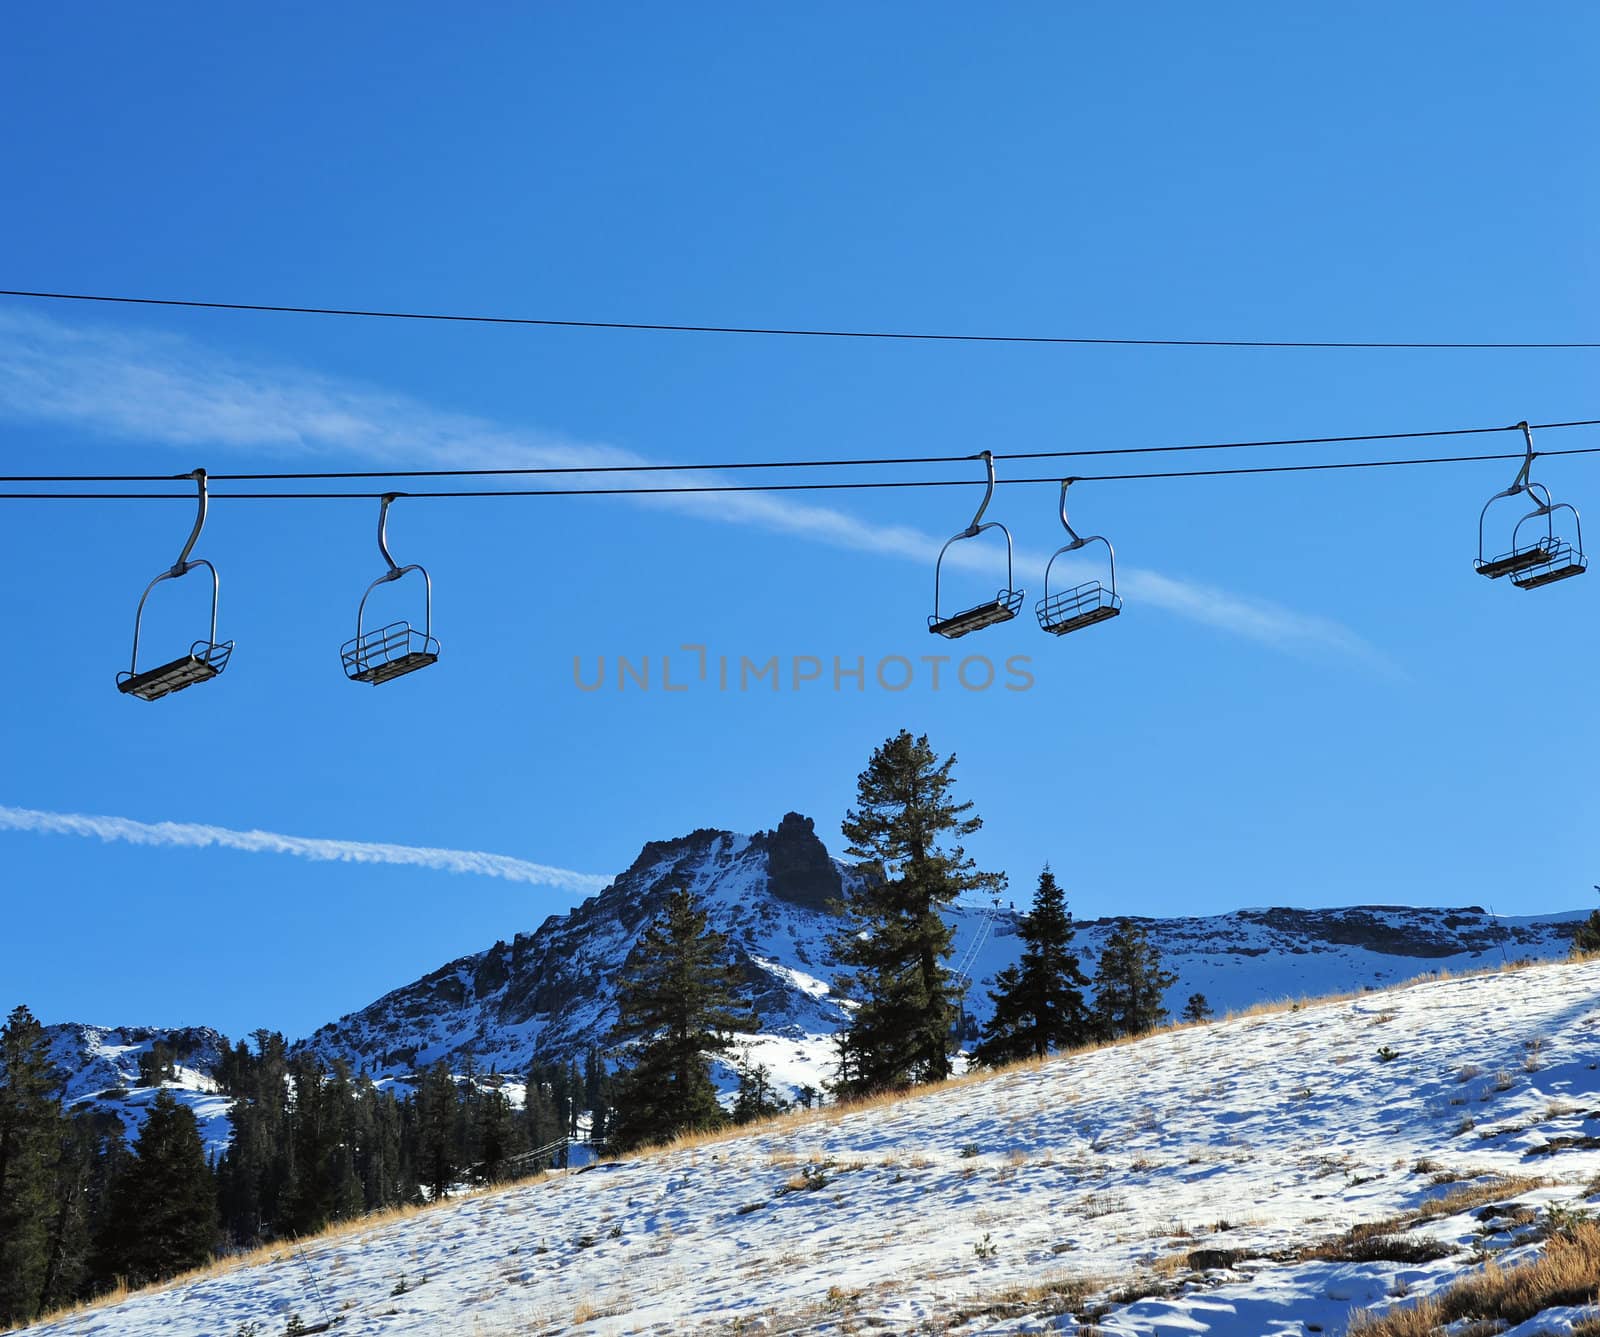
(101, 1065)
(550, 994)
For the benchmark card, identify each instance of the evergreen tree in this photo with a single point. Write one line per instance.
(596, 1093)
(1197, 1008)
(905, 831)
(1129, 983)
(89, 1142)
(540, 1117)
(756, 1099)
(163, 1210)
(255, 1173)
(575, 1104)
(1586, 935)
(676, 1005)
(157, 1065)
(1038, 1003)
(436, 1102)
(31, 1130)
(497, 1136)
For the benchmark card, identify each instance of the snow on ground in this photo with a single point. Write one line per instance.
(1254, 1135)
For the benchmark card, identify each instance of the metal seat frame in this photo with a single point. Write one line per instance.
(1003, 607)
(206, 658)
(1547, 558)
(1085, 604)
(390, 652)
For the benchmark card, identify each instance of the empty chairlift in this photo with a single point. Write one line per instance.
(206, 658)
(1003, 607)
(392, 651)
(1545, 558)
(1082, 605)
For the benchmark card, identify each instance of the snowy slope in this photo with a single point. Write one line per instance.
(1097, 1170)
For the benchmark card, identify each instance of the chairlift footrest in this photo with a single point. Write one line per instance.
(1082, 606)
(1002, 608)
(204, 661)
(1519, 559)
(1565, 562)
(388, 653)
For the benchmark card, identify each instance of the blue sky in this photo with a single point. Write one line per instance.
(1310, 700)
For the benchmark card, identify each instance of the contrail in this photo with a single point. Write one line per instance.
(193, 835)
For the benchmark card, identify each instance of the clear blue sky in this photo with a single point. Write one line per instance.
(1311, 698)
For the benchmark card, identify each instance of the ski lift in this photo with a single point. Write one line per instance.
(1003, 607)
(390, 652)
(206, 658)
(1546, 558)
(1083, 605)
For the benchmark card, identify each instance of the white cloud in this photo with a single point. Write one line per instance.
(165, 389)
(192, 835)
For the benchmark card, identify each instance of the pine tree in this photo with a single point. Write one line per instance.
(1586, 935)
(905, 831)
(676, 1004)
(1197, 1008)
(499, 1136)
(31, 1130)
(163, 1210)
(755, 1098)
(596, 1093)
(255, 1174)
(540, 1117)
(436, 1102)
(1129, 983)
(1038, 1003)
(575, 1104)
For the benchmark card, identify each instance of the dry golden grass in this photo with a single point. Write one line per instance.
(1566, 1273)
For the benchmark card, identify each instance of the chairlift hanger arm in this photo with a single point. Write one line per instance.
(395, 570)
(1065, 523)
(988, 493)
(182, 564)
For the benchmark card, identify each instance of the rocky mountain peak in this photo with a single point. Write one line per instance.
(799, 869)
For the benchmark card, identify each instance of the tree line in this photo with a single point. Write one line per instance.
(83, 1207)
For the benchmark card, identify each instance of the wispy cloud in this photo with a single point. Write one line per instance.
(165, 389)
(193, 835)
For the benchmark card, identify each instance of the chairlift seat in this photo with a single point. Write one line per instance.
(1518, 559)
(1002, 608)
(386, 653)
(1565, 561)
(1082, 606)
(205, 660)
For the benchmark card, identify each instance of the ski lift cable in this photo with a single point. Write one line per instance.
(1054, 480)
(661, 327)
(861, 462)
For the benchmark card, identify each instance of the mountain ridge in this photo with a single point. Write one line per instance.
(549, 994)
